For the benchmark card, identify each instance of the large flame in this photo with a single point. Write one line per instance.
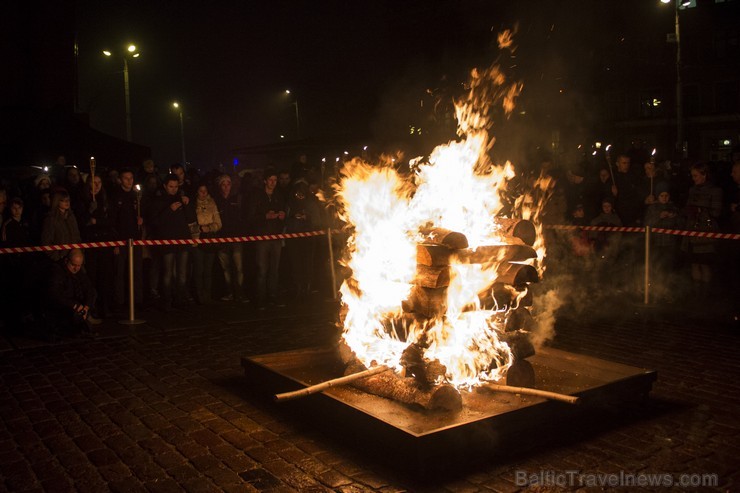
(457, 188)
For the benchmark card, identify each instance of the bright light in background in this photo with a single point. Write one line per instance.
(107, 53)
(131, 48)
(175, 104)
(287, 91)
(364, 148)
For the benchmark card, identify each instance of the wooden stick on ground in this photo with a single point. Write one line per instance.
(320, 387)
(570, 399)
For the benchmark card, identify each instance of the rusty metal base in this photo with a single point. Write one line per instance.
(421, 441)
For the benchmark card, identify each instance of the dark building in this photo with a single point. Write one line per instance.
(38, 92)
(639, 99)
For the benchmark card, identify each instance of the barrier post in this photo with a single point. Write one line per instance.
(131, 319)
(647, 265)
(331, 266)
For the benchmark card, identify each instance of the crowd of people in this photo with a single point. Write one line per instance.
(637, 191)
(81, 287)
(179, 204)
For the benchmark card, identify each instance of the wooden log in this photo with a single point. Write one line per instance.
(432, 277)
(432, 255)
(518, 228)
(520, 319)
(444, 237)
(516, 274)
(427, 302)
(570, 399)
(406, 390)
(519, 343)
(520, 374)
(425, 371)
(496, 253)
(320, 387)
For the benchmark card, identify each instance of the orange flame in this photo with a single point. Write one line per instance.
(458, 189)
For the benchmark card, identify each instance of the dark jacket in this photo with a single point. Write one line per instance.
(171, 225)
(259, 205)
(67, 290)
(232, 219)
(123, 214)
(59, 230)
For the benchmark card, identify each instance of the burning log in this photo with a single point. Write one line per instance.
(445, 237)
(517, 274)
(406, 390)
(424, 371)
(432, 277)
(520, 374)
(519, 343)
(427, 302)
(518, 228)
(432, 255)
(497, 253)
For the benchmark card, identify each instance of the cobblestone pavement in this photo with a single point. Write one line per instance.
(161, 407)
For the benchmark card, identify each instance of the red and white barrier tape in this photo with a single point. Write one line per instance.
(121, 243)
(632, 229)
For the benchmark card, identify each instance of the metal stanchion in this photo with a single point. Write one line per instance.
(331, 266)
(647, 265)
(131, 319)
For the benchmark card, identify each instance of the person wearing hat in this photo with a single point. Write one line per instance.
(663, 213)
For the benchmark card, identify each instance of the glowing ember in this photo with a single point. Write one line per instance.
(389, 214)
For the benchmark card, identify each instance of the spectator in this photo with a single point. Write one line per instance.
(663, 214)
(70, 296)
(15, 230)
(230, 255)
(606, 243)
(126, 223)
(60, 225)
(285, 183)
(604, 185)
(40, 211)
(183, 182)
(703, 208)
(172, 215)
(14, 299)
(72, 183)
(582, 190)
(95, 226)
(209, 223)
(628, 202)
(302, 215)
(267, 214)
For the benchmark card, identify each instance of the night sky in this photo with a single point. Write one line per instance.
(355, 67)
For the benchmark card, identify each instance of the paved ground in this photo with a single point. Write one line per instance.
(162, 407)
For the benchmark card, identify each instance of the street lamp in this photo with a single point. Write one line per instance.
(133, 53)
(297, 121)
(679, 96)
(176, 105)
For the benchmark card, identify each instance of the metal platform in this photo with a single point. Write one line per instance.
(422, 441)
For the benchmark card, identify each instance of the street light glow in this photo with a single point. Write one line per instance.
(175, 104)
(107, 53)
(287, 91)
(665, 1)
(131, 48)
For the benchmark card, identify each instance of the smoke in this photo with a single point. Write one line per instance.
(547, 306)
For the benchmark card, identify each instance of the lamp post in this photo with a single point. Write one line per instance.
(679, 95)
(176, 105)
(133, 53)
(297, 120)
